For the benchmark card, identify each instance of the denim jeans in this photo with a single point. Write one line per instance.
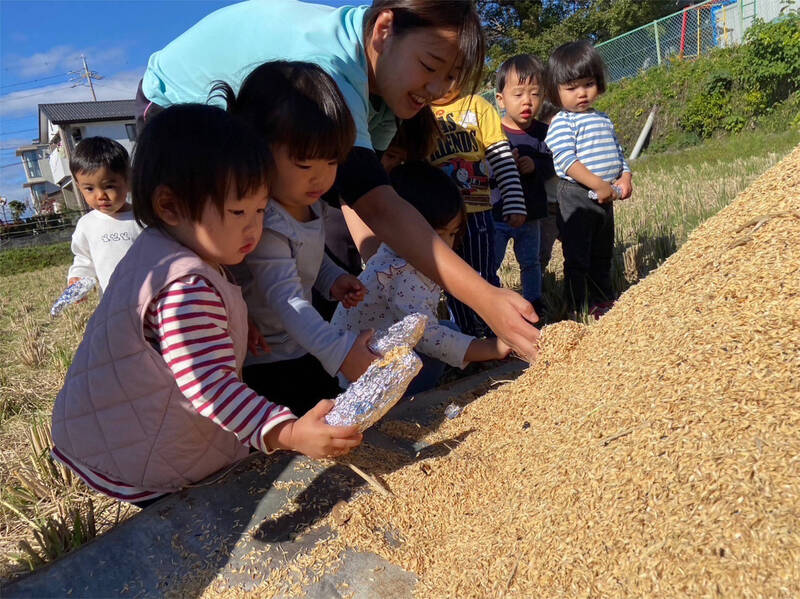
(432, 369)
(526, 249)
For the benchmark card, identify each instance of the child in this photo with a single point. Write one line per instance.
(520, 87)
(103, 235)
(397, 289)
(472, 136)
(153, 402)
(587, 156)
(297, 108)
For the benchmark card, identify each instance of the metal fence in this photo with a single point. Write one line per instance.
(689, 33)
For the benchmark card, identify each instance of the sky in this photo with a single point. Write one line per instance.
(41, 42)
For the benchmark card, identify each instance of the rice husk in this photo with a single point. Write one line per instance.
(656, 453)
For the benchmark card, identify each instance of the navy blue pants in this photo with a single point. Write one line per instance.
(477, 249)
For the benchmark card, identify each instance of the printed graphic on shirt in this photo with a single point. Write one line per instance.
(469, 126)
(120, 236)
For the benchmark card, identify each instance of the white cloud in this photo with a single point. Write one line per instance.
(121, 86)
(65, 58)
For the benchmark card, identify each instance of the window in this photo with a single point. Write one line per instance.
(76, 135)
(130, 129)
(31, 160)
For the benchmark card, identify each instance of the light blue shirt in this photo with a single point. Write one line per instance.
(588, 137)
(232, 41)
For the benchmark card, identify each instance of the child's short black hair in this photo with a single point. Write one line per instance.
(430, 190)
(94, 153)
(296, 105)
(529, 69)
(201, 153)
(572, 61)
(547, 111)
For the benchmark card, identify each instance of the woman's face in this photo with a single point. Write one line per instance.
(413, 69)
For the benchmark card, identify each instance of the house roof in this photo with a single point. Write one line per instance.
(86, 112)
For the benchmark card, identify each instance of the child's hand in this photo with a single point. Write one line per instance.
(348, 290)
(72, 281)
(312, 436)
(481, 350)
(358, 358)
(525, 164)
(625, 184)
(605, 193)
(255, 340)
(515, 220)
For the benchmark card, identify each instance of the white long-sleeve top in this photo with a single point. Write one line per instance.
(99, 242)
(396, 289)
(277, 278)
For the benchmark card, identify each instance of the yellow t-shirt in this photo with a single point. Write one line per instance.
(469, 125)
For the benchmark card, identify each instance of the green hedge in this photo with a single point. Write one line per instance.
(754, 85)
(19, 260)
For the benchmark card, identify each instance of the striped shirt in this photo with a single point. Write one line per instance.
(587, 137)
(188, 326)
(506, 177)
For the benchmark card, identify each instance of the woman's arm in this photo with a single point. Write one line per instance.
(365, 239)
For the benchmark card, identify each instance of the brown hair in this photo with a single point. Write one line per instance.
(457, 15)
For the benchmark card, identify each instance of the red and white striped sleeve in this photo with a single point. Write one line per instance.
(188, 324)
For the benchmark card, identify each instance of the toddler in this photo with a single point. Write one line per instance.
(397, 289)
(520, 87)
(153, 401)
(100, 169)
(472, 142)
(587, 157)
(297, 108)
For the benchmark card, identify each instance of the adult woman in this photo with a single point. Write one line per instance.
(389, 61)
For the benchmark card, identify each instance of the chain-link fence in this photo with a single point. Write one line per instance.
(686, 34)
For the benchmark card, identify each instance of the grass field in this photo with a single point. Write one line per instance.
(49, 512)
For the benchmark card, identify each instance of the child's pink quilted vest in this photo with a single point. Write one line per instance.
(120, 411)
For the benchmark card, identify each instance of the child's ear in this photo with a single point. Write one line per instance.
(499, 97)
(167, 206)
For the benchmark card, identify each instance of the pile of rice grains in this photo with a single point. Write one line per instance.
(656, 453)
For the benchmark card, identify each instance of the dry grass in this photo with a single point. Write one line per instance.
(654, 454)
(668, 204)
(44, 510)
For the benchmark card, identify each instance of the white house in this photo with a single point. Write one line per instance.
(61, 127)
(44, 193)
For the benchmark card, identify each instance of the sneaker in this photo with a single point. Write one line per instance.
(599, 310)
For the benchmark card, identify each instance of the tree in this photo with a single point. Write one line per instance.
(540, 26)
(17, 209)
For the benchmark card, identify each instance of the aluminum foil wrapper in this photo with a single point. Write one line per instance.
(617, 189)
(375, 392)
(406, 332)
(72, 294)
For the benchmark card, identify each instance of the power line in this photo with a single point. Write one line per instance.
(18, 131)
(32, 81)
(39, 93)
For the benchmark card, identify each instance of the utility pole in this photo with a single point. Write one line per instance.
(85, 74)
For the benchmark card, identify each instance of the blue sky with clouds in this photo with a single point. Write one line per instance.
(41, 42)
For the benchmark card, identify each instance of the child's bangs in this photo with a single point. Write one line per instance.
(315, 124)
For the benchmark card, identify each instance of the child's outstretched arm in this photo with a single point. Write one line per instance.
(481, 350)
(188, 321)
(312, 436)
